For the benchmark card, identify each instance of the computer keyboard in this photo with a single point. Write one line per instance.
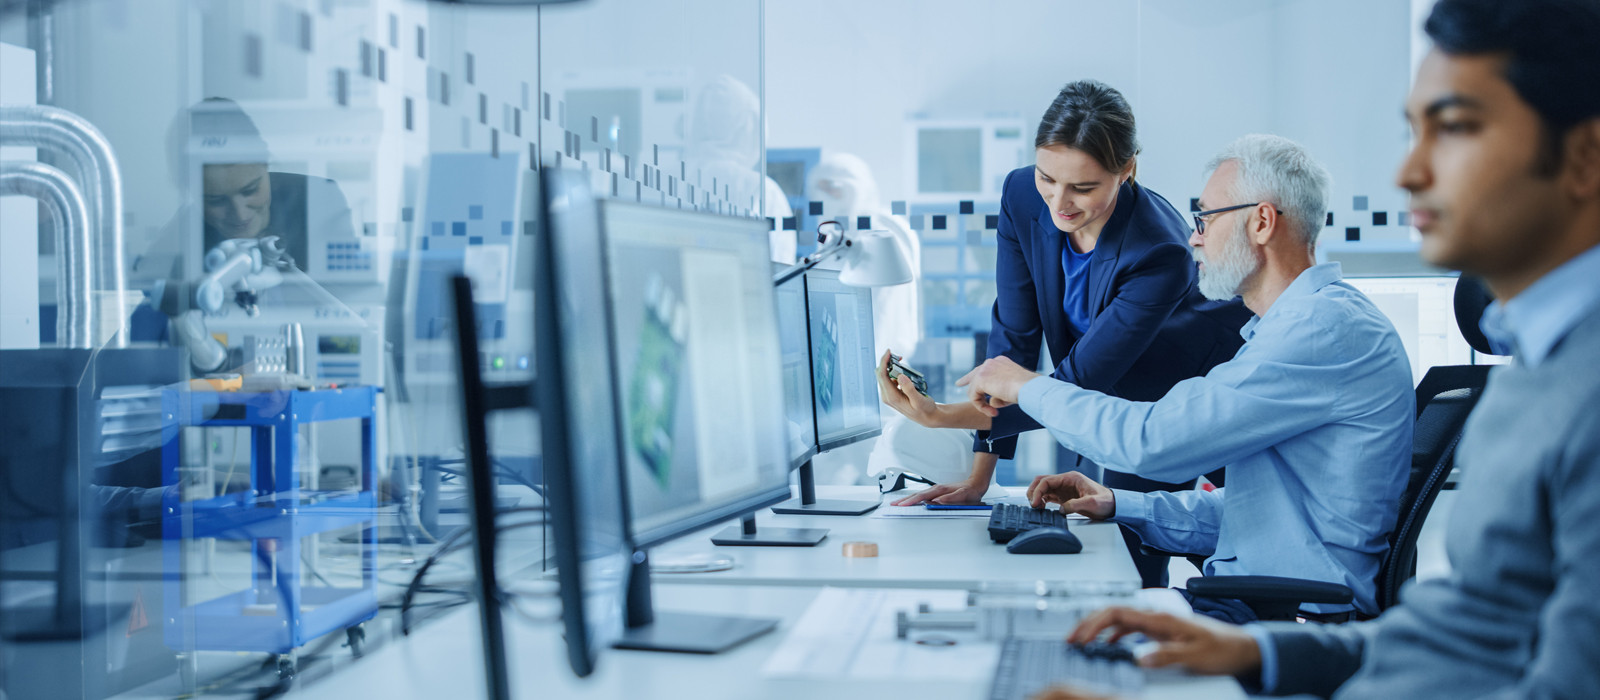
(1028, 666)
(1007, 521)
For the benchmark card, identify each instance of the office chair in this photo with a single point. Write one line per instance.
(1445, 397)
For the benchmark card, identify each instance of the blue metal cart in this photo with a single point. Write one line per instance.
(279, 612)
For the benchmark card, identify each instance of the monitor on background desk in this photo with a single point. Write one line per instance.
(843, 380)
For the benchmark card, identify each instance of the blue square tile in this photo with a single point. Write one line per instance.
(458, 228)
(438, 228)
(475, 212)
(475, 240)
(505, 228)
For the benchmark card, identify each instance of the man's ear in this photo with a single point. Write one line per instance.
(1263, 223)
(1582, 160)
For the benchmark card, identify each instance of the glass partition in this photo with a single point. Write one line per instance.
(233, 453)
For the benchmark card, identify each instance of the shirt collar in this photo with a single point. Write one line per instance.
(1535, 321)
(1309, 281)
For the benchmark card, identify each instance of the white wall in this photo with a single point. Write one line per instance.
(844, 74)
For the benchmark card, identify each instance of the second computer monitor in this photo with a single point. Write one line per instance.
(794, 340)
(844, 387)
(697, 359)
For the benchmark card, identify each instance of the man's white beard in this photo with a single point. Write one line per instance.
(1221, 277)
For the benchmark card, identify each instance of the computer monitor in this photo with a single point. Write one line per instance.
(842, 361)
(691, 367)
(698, 366)
(842, 390)
(794, 343)
(580, 453)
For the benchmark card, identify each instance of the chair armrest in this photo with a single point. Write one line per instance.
(1268, 589)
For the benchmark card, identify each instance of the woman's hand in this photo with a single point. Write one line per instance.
(901, 395)
(957, 493)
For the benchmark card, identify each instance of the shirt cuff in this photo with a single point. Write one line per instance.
(1032, 396)
(1269, 657)
(1133, 508)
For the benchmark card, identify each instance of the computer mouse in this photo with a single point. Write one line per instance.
(1045, 540)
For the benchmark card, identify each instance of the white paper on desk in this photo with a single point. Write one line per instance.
(849, 634)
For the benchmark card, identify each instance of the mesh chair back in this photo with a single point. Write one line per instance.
(1444, 398)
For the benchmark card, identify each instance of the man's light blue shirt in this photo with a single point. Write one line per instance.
(1313, 419)
(1532, 322)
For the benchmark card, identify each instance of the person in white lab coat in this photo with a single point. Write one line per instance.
(724, 149)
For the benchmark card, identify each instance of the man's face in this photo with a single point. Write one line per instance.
(1228, 260)
(238, 199)
(1476, 196)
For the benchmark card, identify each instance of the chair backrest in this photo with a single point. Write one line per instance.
(1444, 398)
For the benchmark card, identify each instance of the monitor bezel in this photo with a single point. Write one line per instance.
(551, 264)
(812, 450)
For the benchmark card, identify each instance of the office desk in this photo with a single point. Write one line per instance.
(912, 553)
(441, 661)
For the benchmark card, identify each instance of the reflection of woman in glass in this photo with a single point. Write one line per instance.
(1097, 267)
(242, 205)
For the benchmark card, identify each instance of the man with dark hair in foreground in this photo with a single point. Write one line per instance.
(1505, 183)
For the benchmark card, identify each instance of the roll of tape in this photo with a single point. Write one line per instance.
(861, 549)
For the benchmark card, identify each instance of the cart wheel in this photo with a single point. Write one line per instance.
(356, 639)
(188, 671)
(286, 667)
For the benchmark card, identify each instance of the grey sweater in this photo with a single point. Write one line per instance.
(1519, 617)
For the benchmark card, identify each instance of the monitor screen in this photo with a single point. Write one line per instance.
(698, 365)
(796, 348)
(844, 389)
(582, 463)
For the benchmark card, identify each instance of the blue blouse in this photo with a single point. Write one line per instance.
(1075, 302)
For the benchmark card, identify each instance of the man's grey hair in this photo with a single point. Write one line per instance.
(1278, 171)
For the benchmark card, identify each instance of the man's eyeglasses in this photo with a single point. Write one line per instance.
(1200, 218)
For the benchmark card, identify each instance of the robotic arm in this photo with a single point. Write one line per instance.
(243, 266)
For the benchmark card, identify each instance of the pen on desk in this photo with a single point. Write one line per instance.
(952, 506)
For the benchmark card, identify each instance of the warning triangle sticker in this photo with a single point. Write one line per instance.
(137, 620)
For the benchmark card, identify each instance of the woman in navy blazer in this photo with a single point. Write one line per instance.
(1098, 268)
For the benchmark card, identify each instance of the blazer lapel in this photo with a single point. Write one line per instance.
(1108, 250)
(1048, 242)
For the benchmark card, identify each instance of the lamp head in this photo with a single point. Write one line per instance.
(873, 259)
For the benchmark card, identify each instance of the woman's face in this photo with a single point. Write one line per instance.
(1079, 192)
(238, 198)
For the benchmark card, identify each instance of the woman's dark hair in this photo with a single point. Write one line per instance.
(1552, 50)
(1092, 117)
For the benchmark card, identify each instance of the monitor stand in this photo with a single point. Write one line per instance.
(746, 534)
(807, 503)
(692, 633)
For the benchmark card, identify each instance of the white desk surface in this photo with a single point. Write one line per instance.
(912, 553)
(442, 661)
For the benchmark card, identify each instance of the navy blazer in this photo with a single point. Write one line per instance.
(1151, 327)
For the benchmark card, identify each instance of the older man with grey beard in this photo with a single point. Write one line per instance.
(1312, 417)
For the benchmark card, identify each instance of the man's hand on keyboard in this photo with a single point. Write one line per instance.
(1198, 644)
(1075, 492)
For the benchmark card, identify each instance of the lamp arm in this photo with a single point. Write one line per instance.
(832, 244)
